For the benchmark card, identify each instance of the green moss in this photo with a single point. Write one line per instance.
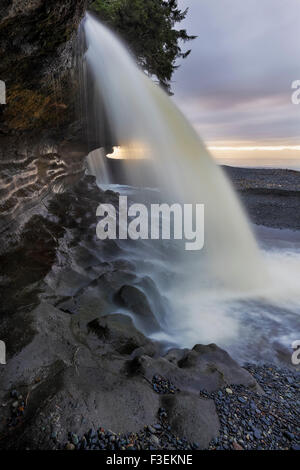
(30, 109)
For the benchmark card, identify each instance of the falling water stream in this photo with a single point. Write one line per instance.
(232, 292)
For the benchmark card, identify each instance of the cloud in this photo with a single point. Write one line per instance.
(236, 84)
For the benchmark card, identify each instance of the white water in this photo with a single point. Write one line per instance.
(97, 167)
(215, 294)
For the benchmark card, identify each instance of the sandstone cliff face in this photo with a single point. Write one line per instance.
(32, 167)
(40, 136)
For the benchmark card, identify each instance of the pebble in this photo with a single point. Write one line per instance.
(237, 446)
(163, 385)
(257, 434)
(260, 422)
(289, 435)
(155, 441)
(151, 429)
(75, 439)
(70, 446)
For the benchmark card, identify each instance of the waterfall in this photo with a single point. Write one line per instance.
(231, 292)
(145, 120)
(97, 166)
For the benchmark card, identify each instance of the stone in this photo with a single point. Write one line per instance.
(242, 399)
(155, 441)
(119, 334)
(237, 446)
(136, 301)
(70, 446)
(256, 433)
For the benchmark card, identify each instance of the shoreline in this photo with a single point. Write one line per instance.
(258, 167)
(271, 197)
(67, 339)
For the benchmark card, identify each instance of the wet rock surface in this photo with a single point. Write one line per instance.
(156, 437)
(77, 360)
(41, 134)
(134, 299)
(36, 48)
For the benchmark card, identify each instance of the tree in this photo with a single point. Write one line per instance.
(148, 28)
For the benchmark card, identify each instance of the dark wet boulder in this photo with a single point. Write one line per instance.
(78, 374)
(117, 333)
(192, 417)
(202, 368)
(211, 358)
(135, 300)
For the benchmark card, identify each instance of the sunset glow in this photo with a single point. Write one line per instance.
(261, 148)
(277, 156)
(132, 151)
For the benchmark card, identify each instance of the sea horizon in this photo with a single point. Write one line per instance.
(275, 165)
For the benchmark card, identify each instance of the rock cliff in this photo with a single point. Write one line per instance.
(41, 137)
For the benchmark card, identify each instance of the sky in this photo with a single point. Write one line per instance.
(235, 87)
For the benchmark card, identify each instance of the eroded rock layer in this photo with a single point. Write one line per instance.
(38, 60)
